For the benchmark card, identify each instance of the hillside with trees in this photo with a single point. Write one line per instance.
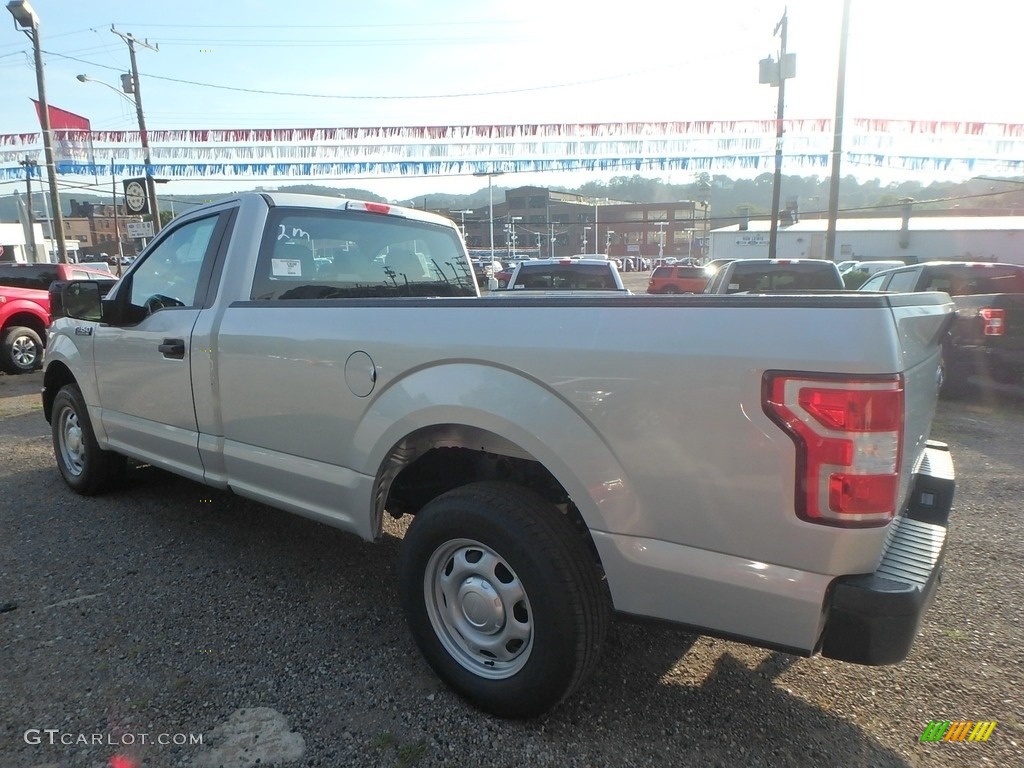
(730, 198)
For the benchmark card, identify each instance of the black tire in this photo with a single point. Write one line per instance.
(670, 289)
(524, 581)
(85, 467)
(21, 350)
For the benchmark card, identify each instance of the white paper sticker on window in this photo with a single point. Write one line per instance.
(286, 267)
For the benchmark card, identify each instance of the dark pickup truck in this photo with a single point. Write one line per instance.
(986, 339)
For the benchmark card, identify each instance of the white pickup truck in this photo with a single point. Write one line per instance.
(752, 479)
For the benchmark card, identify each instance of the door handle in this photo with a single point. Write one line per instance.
(173, 348)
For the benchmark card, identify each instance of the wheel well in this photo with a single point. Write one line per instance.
(57, 375)
(27, 320)
(435, 460)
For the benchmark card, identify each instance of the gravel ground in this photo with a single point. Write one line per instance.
(170, 608)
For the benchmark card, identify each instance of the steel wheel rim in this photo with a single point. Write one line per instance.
(23, 352)
(478, 608)
(71, 441)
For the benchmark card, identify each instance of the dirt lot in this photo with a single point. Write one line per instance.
(169, 609)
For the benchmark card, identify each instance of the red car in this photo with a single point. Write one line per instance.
(678, 279)
(25, 309)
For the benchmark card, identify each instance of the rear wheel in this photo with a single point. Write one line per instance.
(670, 289)
(503, 597)
(85, 467)
(21, 350)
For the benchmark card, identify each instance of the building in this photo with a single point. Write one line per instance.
(547, 223)
(13, 246)
(907, 238)
(94, 228)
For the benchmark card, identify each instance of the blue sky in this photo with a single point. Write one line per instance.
(453, 62)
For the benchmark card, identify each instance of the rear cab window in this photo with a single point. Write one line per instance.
(782, 277)
(565, 277)
(34, 276)
(329, 254)
(971, 280)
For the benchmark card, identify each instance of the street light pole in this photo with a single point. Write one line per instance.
(463, 213)
(510, 234)
(143, 134)
(26, 18)
(490, 200)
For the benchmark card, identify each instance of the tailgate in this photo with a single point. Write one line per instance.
(922, 320)
(971, 325)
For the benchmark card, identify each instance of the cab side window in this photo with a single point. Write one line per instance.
(903, 282)
(170, 275)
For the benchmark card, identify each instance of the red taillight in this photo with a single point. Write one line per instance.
(849, 440)
(378, 208)
(994, 321)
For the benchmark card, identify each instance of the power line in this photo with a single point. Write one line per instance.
(417, 97)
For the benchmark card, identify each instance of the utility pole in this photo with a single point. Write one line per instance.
(154, 206)
(837, 139)
(775, 75)
(117, 227)
(28, 165)
(27, 19)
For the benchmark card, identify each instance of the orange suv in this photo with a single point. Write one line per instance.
(678, 279)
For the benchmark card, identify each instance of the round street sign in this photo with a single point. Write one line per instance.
(135, 197)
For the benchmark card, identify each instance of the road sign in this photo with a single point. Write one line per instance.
(135, 198)
(138, 229)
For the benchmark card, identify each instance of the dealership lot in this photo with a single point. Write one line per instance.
(165, 608)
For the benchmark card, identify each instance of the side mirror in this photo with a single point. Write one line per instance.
(79, 299)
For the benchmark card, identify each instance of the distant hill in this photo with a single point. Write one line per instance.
(729, 198)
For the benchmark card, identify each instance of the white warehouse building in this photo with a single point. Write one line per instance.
(913, 239)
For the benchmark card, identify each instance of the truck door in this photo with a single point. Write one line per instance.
(143, 370)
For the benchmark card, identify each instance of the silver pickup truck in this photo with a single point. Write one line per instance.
(715, 461)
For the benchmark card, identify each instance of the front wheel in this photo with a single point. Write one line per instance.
(21, 350)
(85, 467)
(503, 597)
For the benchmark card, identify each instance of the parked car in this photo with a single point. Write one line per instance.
(986, 339)
(25, 309)
(856, 273)
(871, 267)
(714, 265)
(677, 279)
(485, 269)
(504, 276)
(759, 275)
(40, 276)
(24, 317)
